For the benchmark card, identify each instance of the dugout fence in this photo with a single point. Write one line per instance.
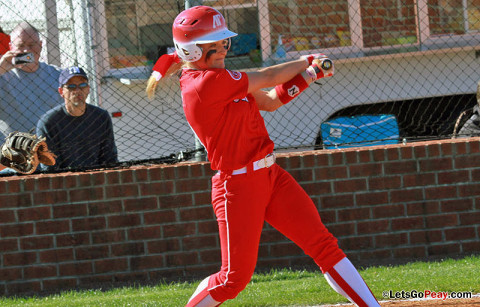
(416, 61)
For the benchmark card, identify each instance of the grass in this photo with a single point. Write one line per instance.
(281, 287)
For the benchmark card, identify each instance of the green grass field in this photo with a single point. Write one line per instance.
(282, 287)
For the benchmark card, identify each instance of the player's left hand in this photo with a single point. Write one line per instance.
(314, 56)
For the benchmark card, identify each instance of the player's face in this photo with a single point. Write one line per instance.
(75, 93)
(214, 54)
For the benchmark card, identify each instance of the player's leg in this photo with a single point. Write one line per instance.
(239, 205)
(293, 213)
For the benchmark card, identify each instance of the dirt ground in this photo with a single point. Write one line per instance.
(475, 301)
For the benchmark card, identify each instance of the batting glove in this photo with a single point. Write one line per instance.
(310, 57)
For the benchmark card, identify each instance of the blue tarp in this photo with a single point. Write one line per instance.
(360, 130)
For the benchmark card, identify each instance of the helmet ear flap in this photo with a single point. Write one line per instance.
(188, 52)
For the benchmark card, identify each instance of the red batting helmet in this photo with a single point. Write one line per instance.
(198, 25)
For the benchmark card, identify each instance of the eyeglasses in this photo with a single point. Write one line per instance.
(74, 86)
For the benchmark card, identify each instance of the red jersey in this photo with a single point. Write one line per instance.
(225, 118)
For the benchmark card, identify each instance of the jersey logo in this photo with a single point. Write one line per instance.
(235, 74)
(217, 21)
(293, 91)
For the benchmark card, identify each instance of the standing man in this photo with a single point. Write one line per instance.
(27, 90)
(79, 134)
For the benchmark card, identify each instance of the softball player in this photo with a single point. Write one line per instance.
(222, 107)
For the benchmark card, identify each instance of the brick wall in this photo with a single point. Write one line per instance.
(146, 223)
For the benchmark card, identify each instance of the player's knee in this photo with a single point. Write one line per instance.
(231, 287)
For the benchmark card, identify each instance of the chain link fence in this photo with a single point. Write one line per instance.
(404, 70)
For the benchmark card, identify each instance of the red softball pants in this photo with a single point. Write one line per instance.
(242, 203)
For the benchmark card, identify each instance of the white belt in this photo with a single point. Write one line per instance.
(268, 161)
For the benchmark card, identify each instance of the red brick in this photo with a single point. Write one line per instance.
(8, 245)
(84, 180)
(406, 195)
(110, 265)
(420, 179)
(353, 185)
(471, 247)
(92, 252)
(364, 156)
(141, 175)
(467, 190)
(76, 268)
(441, 192)
(175, 201)
(400, 167)
(43, 183)
(185, 258)
(156, 188)
(112, 177)
(143, 233)
(19, 259)
(372, 227)
(371, 198)
(323, 160)
(365, 170)
(104, 207)
(123, 190)
(317, 188)
(163, 246)
(126, 176)
(108, 236)
(128, 249)
(50, 197)
(207, 227)
(196, 214)
(42, 242)
(87, 194)
(16, 230)
(196, 170)
(191, 185)
(470, 218)
(89, 224)
(422, 237)
(407, 223)
(140, 204)
(396, 239)
(52, 227)
(147, 262)
(124, 220)
(392, 153)
(444, 249)
(341, 229)
(200, 242)
(69, 210)
(168, 173)
(34, 214)
(423, 208)
(7, 217)
(97, 178)
(337, 158)
(329, 173)
(178, 230)
(210, 256)
(73, 239)
(301, 175)
(406, 153)
(202, 198)
(441, 221)
(39, 271)
(353, 214)
(56, 255)
(181, 172)
(379, 155)
(159, 217)
(337, 201)
(308, 161)
(420, 151)
(470, 161)
(384, 183)
(356, 243)
(457, 205)
(11, 274)
(388, 211)
(16, 200)
(459, 234)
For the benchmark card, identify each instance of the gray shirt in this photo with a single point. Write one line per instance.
(26, 96)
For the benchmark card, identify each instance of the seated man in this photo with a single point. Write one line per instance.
(79, 134)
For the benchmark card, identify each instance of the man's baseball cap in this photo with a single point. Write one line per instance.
(69, 73)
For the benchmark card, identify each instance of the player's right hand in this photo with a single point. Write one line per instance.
(322, 68)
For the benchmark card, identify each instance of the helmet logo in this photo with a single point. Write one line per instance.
(217, 22)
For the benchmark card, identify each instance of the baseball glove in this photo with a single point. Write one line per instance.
(24, 151)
